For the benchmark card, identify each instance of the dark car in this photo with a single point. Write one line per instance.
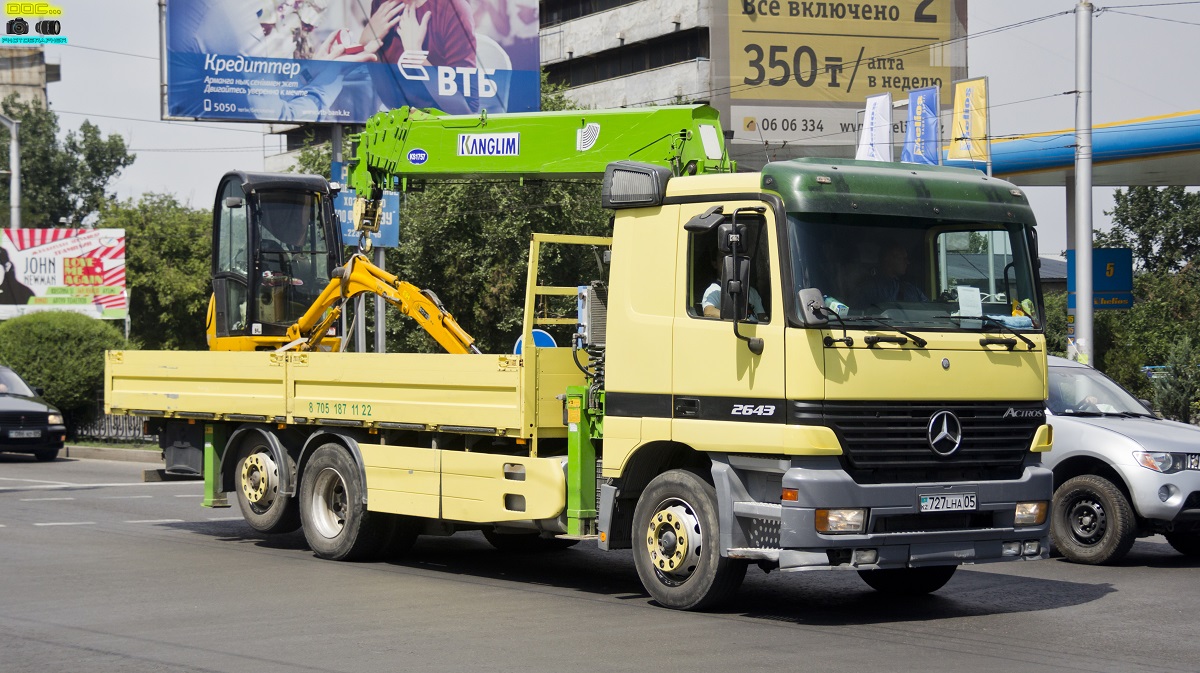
(27, 423)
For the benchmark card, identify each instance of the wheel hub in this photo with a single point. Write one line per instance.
(1088, 521)
(329, 503)
(259, 479)
(673, 540)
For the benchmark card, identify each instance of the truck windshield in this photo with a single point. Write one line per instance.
(917, 273)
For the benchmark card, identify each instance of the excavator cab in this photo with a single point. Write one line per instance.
(275, 247)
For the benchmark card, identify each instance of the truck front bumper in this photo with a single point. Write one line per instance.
(897, 533)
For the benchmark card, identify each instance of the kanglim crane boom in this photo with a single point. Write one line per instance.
(282, 294)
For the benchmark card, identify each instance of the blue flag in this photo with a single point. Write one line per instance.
(922, 140)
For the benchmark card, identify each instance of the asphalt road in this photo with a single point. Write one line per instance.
(102, 572)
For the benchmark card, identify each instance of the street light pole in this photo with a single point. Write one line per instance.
(1083, 182)
(14, 162)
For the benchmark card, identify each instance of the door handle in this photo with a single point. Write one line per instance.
(687, 407)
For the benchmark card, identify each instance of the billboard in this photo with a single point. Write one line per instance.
(341, 61)
(797, 71)
(80, 270)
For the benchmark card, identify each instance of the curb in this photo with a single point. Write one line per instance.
(103, 453)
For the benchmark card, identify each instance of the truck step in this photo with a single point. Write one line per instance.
(754, 553)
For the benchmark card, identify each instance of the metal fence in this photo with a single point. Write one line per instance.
(116, 428)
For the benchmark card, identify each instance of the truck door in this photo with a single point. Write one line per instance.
(230, 259)
(725, 397)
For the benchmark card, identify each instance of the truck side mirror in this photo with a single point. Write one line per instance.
(735, 287)
(811, 303)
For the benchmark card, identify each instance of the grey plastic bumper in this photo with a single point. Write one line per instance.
(823, 484)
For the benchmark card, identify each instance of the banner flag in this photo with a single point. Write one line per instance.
(969, 127)
(875, 143)
(923, 139)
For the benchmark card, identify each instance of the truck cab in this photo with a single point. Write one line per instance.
(895, 389)
(275, 245)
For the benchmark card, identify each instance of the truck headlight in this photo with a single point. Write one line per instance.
(1031, 513)
(1160, 461)
(54, 419)
(841, 520)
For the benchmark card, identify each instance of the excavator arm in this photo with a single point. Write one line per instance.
(358, 276)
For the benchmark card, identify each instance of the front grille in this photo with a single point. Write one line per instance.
(936, 521)
(16, 420)
(887, 442)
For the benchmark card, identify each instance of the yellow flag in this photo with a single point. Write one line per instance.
(969, 127)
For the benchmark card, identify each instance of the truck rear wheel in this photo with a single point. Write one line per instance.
(1092, 521)
(335, 519)
(675, 544)
(263, 506)
(908, 581)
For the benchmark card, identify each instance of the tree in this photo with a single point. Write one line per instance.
(61, 179)
(167, 269)
(1175, 392)
(63, 353)
(469, 242)
(1161, 226)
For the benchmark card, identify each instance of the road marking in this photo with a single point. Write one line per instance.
(123, 497)
(188, 495)
(43, 499)
(67, 523)
(224, 518)
(156, 521)
(64, 485)
(34, 481)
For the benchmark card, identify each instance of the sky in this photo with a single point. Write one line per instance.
(1143, 55)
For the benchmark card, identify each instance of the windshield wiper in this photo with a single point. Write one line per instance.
(874, 339)
(1010, 343)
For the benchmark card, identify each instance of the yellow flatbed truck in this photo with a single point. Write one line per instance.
(826, 364)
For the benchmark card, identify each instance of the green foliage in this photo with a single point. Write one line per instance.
(469, 243)
(63, 353)
(64, 178)
(317, 158)
(1161, 226)
(167, 269)
(1175, 392)
(1056, 323)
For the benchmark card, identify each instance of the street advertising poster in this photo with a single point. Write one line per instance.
(341, 61)
(80, 270)
(796, 72)
(969, 124)
(923, 140)
(875, 142)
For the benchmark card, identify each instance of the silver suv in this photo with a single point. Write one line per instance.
(1120, 472)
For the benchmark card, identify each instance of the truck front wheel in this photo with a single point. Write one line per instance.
(335, 519)
(675, 544)
(263, 506)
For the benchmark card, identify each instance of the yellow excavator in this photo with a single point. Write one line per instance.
(278, 279)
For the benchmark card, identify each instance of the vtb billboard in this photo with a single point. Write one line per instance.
(341, 61)
(799, 71)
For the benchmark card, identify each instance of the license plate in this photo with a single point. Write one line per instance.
(24, 434)
(1193, 461)
(950, 502)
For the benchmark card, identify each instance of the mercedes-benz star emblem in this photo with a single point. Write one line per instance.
(944, 433)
